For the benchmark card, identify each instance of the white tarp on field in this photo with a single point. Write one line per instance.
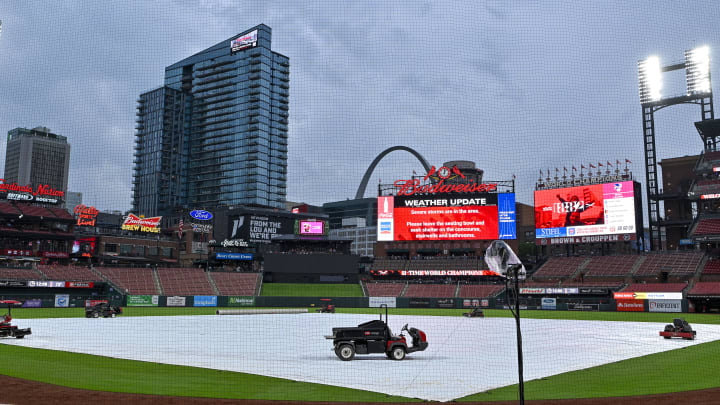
(465, 356)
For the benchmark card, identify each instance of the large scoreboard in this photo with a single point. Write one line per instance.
(588, 210)
(442, 217)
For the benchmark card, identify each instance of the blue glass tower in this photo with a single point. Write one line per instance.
(233, 148)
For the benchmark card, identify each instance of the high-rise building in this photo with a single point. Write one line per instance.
(73, 199)
(159, 152)
(37, 156)
(216, 133)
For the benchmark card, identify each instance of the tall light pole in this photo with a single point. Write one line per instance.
(698, 91)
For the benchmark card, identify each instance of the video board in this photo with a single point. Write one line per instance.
(311, 228)
(248, 40)
(469, 216)
(597, 209)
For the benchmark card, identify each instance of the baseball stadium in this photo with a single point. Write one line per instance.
(490, 217)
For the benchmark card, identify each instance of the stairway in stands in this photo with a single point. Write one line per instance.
(156, 279)
(212, 283)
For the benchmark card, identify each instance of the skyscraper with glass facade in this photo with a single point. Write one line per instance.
(216, 133)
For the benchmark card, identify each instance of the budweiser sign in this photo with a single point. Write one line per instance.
(42, 190)
(135, 223)
(415, 186)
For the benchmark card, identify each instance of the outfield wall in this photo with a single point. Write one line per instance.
(75, 298)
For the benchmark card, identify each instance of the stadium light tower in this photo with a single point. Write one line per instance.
(698, 91)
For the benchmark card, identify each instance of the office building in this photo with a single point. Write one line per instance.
(37, 156)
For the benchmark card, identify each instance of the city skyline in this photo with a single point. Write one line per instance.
(514, 88)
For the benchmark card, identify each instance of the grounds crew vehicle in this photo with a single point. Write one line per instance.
(376, 337)
(103, 309)
(8, 330)
(679, 328)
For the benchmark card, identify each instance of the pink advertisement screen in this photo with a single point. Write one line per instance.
(311, 228)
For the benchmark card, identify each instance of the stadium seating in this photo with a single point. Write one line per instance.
(184, 281)
(711, 156)
(705, 289)
(131, 280)
(447, 263)
(69, 273)
(706, 186)
(710, 226)
(607, 282)
(656, 287)
(559, 267)
(679, 265)
(384, 263)
(35, 211)
(610, 266)
(7, 208)
(430, 290)
(384, 289)
(20, 274)
(60, 213)
(479, 291)
(712, 267)
(230, 283)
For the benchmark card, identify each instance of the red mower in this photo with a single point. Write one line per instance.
(679, 328)
(8, 330)
(327, 306)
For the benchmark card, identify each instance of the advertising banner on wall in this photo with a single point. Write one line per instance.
(548, 303)
(62, 300)
(233, 256)
(176, 301)
(241, 301)
(205, 301)
(142, 300)
(376, 302)
(259, 228)
(639, 295)
(630, 306)
(446, 303)
(91, 303)
(33, 303)
(468, 303)
(579, 306)
(419, 303)
(598, 209)
(665, 305)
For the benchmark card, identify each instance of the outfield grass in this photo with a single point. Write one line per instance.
(690, 368)
(115, 375)
(686, 369)
(311, 290)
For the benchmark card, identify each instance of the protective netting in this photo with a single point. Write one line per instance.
(543, 92)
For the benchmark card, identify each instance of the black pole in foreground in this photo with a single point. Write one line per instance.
(502, 260)
(521, 386)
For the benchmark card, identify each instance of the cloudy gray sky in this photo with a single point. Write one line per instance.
(514, 86)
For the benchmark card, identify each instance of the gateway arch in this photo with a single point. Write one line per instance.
(363, 184)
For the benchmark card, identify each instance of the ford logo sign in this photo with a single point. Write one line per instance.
(202, 215)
